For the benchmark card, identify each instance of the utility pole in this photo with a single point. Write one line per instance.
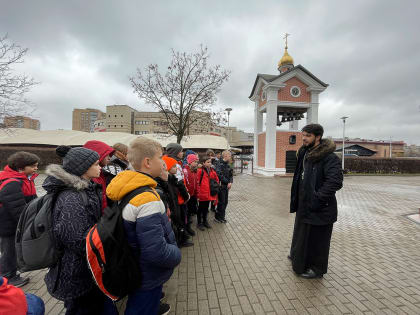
(344, 135)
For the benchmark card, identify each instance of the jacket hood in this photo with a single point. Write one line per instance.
(325, 148)
(127, 181)
(58, 179)
(100, 147)
(11, 173)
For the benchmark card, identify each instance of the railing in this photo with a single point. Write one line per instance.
(243, 164)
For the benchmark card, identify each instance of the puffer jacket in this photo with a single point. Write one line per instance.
(190, 180)
(147, 228)
(103, 150)
(72, 220)
(203, 184)
(323, 177)
(224, 172)
(16, 190)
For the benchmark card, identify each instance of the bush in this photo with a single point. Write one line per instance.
(382, 165)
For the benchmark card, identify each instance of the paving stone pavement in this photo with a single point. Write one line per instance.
(241, 267)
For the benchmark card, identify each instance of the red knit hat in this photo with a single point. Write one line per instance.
(170, 162)
(191, 158)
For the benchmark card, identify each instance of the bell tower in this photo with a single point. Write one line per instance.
(286, 97)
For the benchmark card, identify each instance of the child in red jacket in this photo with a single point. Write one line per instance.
(204, 196)
(17, 189)
(190, 176)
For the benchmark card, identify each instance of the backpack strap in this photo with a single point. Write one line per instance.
(126, 200)
(9, 180)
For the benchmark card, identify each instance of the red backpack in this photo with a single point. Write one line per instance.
(110, 258)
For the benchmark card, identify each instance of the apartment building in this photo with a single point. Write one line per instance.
(22, 122)
(123, 118)
(84, 119)
(120, 118)
(150, 122)
(381, 148)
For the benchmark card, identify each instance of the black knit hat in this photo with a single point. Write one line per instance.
(78, 160)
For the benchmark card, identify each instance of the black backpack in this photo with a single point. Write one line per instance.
(36, 247)
(214, 185)
(110, 258)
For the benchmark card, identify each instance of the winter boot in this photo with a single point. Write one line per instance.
(189, 230)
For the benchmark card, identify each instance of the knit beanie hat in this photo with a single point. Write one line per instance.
(78, 160)
(172, 149)
(170, 162)
(191, 158)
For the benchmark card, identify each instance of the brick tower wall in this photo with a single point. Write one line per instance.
(284, 93)
(261, 149)
(282, 145)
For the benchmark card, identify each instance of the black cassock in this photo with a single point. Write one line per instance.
(310, 244)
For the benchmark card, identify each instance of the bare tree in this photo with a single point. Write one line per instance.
(13, 87)
(189, 86)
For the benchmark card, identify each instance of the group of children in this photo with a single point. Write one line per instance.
(157, 222)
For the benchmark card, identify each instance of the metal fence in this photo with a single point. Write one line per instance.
(243, 164)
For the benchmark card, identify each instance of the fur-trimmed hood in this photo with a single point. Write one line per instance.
(316, 154)
(58, 179)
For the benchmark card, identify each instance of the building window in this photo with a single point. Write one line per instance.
(109, 116)
(142, 122)
(115, 126)
(136, 132)
(115, 115)
(122, 116)
(109, 126)
(122, 126)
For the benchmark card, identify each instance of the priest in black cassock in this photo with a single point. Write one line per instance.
(318, 175)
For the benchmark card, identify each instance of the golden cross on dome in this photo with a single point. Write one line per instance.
(285, 37)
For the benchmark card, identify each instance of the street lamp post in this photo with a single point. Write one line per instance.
(344, 134)
(228, 112)
(390, 147)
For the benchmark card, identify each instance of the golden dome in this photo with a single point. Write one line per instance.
(286, 59)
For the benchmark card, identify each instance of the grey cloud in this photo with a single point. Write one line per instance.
(366, 50)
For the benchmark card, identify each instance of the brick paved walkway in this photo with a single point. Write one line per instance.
(241, 267)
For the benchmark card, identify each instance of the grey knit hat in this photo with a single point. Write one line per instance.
(172, 149)
(78, 160)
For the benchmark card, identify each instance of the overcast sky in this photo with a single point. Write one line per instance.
(82, 52)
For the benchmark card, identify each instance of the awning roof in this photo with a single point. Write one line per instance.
(78, 138)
